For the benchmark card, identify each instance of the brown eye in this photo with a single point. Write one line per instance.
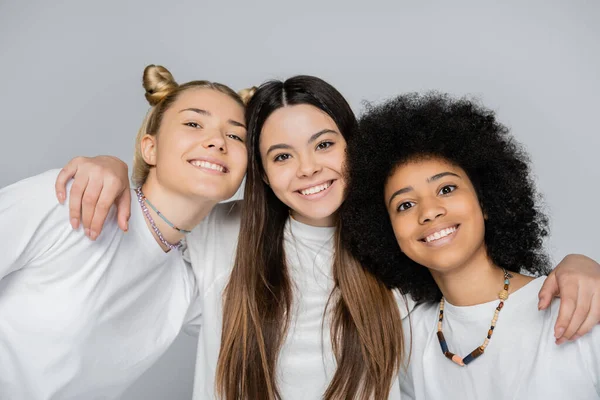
(324, 145)
(235, 137)
(282, 157)
(447, 189)
(405, 206)
(193, 125)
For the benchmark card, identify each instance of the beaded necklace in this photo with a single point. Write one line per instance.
(141, 198)
(503, 295)
(164, 218)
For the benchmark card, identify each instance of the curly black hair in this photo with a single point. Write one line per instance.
(465, 134)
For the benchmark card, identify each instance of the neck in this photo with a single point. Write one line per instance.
(185, 212)
(322, 222)
(476, 281)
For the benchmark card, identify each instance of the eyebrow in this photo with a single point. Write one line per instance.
(208, 114)
(312, 139)
(429, 180)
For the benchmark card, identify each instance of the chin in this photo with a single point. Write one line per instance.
(211, 192)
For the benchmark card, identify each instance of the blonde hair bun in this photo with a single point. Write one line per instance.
(158, 83)
(246, 94)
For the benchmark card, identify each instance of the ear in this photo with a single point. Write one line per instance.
(148, 149)
(483, 211)
(264, 177)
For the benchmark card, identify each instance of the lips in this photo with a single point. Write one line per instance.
(210, 165)
(315, 188)
(439, 233)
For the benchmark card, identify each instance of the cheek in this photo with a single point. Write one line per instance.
(173, 144)
(239, 158)
(401, 231)
(471, 209)
(337, 160)
(279, 176)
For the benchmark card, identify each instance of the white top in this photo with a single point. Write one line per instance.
(81, 319)
(521, 361)
(306, 362)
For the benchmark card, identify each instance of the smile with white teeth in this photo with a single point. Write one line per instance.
(315, 189)
(440, 234)
(207, 165)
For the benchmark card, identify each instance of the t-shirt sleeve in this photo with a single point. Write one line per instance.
(589, 346)
(405, 378)
(193, 318)
(31, 220)
(405, 303)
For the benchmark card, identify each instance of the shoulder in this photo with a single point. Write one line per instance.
(224, 219)
(421, 315)
(34, 197)
(406, 303)
(38, 186)
(212, 244)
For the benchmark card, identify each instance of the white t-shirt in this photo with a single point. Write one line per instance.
(306, 362)
(521, 361)
(81, 319)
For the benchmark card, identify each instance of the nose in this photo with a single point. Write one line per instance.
(430, 211)
(215, 141)
(308, 166)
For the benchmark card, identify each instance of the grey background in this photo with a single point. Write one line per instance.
(71, 84)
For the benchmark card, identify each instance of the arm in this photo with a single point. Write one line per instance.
(98, 183)
(576, 279)
(193, 318)
(29, 221)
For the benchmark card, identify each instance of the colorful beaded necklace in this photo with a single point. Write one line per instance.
(503, 295)
(141, 198)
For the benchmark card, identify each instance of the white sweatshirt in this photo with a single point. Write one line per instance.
(306, 362)
(81, 319)
(521, 361)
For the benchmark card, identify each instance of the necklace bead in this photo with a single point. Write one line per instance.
(141, 198)
(503, 295)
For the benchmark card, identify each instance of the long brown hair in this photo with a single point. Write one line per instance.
(366, 329)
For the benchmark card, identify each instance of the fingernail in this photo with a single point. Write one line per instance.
(87, 232)
(561, 341)
(93, 235)
(575, 337)
(559, 333)
(61, 197)
(74, 223)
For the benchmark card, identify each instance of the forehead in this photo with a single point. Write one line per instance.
(296, 122)
(210, 100)
(417, 172)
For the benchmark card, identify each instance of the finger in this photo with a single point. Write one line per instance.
(592, 319)
(548, 291)
(60, 186)
(565, 312)
(124, 210)
(89, 201)
(107, 197)
(75, 196)
(582, 309)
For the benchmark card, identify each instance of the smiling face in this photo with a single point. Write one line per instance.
(302, 152)
(200, 146)
(435, 214)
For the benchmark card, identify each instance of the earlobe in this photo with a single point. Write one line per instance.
(148, 149)
(265, 179)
